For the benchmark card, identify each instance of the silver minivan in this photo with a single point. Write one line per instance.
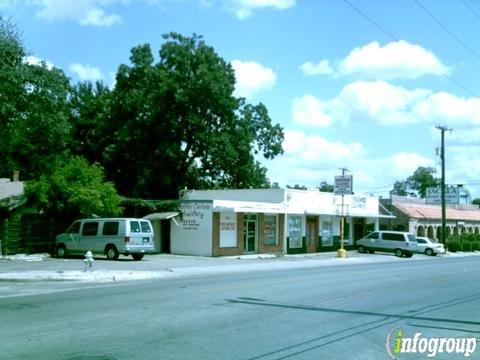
(107, 236)
(399, 242)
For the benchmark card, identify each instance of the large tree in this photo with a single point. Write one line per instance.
(417, 183)
(34, 125)
(176, 123)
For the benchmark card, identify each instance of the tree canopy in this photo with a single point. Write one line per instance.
(166, 124)
(176, 123)
(34, 125)
(416, 185)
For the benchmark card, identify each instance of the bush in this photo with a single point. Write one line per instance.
(466, 246)
(454, 246)
(475, 245)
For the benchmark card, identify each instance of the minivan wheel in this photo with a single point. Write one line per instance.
(361, 249)
(111, 252)
(429, 252)
(61, 251)
(398, 252)
(137, 257)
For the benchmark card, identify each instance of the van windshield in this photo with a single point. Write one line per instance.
(411, 237)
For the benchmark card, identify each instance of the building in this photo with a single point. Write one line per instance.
(277, 221)
(421, 219)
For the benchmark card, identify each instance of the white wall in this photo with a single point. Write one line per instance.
(193, 235)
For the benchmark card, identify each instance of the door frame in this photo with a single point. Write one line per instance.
(250, 219)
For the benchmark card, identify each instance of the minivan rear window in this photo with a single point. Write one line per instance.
(145, 226)
(134, 226)
(110, 228)
(392, 236)
(90, 228)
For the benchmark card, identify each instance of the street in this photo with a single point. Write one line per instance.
(343, 312)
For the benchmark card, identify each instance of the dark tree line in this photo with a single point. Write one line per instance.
(164, 126)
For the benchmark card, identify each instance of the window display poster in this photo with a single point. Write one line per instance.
(327, 235)
(228, 230)
(270, 230)
(295, 231)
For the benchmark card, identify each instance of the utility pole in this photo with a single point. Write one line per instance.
(341, 253)
(442, 185)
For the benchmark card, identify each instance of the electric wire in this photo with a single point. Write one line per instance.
(393, 37)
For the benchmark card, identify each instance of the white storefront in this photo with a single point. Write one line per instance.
(233, 222)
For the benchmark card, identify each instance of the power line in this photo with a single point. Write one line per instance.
(471, 9)
(393, 37)
(451, 33)
(371, 20)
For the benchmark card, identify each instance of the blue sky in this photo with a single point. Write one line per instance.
(354, 83)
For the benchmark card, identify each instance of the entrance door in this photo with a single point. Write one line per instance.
(250, 235)
(312, 234)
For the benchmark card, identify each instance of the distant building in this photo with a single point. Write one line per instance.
(278, 221)
(415, 216)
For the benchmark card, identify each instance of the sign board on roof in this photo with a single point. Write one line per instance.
(434, 195)
(343, 185)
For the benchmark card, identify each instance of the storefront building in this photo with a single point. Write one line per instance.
(269, 221)
(415, 216)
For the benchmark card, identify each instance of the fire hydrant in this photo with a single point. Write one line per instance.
(88, 261)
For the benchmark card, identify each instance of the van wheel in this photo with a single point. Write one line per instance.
(398, 252)
(429, 252)
(111, 252)
(361, 249)
(61, 251)
(137, 257)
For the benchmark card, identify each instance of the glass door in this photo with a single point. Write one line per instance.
(250, 235)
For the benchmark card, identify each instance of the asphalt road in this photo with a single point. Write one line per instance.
(314, 313)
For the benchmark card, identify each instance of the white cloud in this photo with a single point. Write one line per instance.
(33, 60)
(252, 77)
(386, 104)
(244, 8)
(404, 164)
(309, 110)
(395, 60)
(312, 159)
(86, 72)
(322, 68)
(86, 12)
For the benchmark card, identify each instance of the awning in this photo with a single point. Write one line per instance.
(248, 207)
(161, 216)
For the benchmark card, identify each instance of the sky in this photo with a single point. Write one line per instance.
(355, 84)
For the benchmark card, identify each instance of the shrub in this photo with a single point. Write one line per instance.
(466, 246)
(454, 246)
(476, 245)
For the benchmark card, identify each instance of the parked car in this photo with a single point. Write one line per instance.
(429, 247)
(398, 242)
(107, 236)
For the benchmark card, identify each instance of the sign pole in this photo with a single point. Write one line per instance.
(342, 185)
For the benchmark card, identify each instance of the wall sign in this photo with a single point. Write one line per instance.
(228, 230)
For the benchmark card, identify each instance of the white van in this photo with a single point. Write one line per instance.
(107, 236)
(399, 242)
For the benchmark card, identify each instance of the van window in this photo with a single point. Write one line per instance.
(393, 237)
(373, 236)
(145, 226)
(74, 228)
(110, 228)
(411, 237)
(90, 228)
(134, 227)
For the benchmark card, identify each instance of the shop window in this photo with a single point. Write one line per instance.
(295, 231)
(270, 230)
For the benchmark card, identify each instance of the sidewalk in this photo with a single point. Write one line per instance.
(37, 268)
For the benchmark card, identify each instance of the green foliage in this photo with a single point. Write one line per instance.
(34, 108)
(176, 124)
(476, 245)
(454, 245)
(141, 207)
(325, 187)
(297, 187)
(74, 189)
(466, 246)
(476, 201)
(417, 183)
